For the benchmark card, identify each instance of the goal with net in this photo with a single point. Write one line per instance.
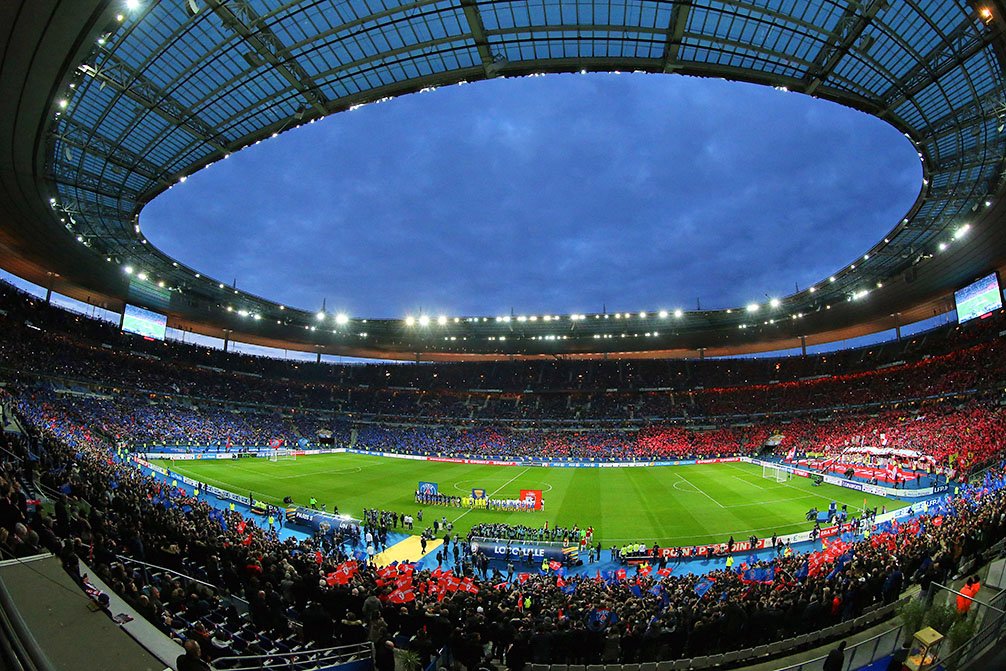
(770, 472)
(281, 453)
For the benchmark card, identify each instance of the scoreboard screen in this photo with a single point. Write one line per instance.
(978, 298)
(144, 322)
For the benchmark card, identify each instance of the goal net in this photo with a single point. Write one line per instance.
(770, 472)
(282, 454)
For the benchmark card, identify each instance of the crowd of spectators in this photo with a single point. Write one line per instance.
(539, 618)
(38, 339)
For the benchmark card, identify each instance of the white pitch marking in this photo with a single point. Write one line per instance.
(699, 491)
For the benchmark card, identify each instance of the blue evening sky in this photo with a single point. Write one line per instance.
(560, 193)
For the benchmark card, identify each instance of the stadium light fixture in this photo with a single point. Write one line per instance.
(679, 314)
(63, 102)
(960, 232)
(424, 320)
(943, 246)
(831, 279)
(128, 270)
(132, 5)
(774, 302)
(442, 320)
(341, 318)
(142, 276)
(319, 316)
(663, 314)
(642, 315)
(752, 307)
(410, 320)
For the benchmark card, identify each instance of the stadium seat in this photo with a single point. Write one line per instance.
(730, 657)
(698, 662)
(625, 667)
(595, 667)
(760, 651)
(714, 660)
(646, 666)
(665, 666)
(577, 667)
(777, 647)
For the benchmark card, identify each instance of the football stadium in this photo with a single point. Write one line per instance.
(741, 487)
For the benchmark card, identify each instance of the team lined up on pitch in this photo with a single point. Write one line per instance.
(478, 503)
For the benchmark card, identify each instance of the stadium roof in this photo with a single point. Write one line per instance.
(104, 105)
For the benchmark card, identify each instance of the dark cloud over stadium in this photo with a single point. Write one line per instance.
(559, 193)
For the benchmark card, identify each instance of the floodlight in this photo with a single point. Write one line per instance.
(424, 320)
(409, 321)
(678, 313)
(752, 307)
(441, 320)
(319, 316)
(774, 302)
(341, 318)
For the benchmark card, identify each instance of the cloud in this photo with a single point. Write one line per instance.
(560, 194)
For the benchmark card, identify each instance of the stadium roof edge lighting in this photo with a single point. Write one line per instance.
(123, 109)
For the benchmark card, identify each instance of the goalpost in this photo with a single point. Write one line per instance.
(282, 454)
(770, 472)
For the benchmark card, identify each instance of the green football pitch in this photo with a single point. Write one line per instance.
(673, 505)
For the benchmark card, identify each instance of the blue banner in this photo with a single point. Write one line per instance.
(427, 487)
(498, 549)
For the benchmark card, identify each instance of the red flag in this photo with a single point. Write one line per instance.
(554, 565)
(318, 558)
(645, 570)
(452, 582)
(248, 540)
(522, 577)
(620, 574)
(559, 582)
(387, 571)
(241, 526)
(402, 595)
(468, 585)
(664, 572)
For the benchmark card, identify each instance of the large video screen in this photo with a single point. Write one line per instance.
(978, 298)
(144, 322)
